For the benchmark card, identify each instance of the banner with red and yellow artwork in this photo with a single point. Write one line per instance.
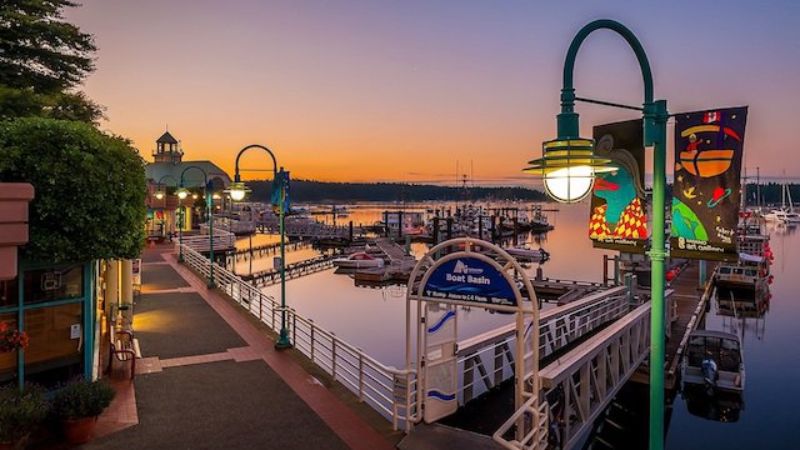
(618, 211)
(706, 189)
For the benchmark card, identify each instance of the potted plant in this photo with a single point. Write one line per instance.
(21, 411)
(12, 339)
(78, 404)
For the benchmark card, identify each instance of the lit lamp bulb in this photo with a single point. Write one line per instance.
(237, 191)
(570, 184)
(568, 167)
(194, 196)
(160, 195)
(182, 193)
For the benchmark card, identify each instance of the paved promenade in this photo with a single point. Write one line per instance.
(210, 378)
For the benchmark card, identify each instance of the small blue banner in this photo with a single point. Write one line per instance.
(281, 181)
(470, 279)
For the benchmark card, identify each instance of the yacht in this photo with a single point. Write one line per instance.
(358, 260)
(785, 214)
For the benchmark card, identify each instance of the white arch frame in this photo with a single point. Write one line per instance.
(527, 385)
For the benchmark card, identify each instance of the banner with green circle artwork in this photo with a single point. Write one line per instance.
(706, 189)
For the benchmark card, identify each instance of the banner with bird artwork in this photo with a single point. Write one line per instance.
(706, 190)
(618, 210)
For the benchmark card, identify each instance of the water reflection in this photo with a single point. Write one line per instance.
(373, 318)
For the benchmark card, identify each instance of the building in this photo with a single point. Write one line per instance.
(66, 310)
(164, 177)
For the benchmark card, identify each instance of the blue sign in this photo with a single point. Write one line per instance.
(281, 182)
(470, 279)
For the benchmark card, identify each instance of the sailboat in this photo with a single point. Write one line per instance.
(785, 214)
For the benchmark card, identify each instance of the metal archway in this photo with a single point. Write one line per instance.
(477, 274)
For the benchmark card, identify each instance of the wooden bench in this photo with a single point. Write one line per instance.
(124, 347)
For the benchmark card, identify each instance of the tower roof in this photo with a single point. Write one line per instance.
(166, 138)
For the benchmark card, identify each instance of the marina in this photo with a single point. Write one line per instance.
(398, 226)
(689, 298)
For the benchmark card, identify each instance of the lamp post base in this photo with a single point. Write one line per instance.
(283, 341)
(211, 285)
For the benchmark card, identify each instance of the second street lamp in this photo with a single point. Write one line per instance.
(182, 194)
(237, 191)
(581, 163)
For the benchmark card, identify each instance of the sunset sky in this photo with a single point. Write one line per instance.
(404, 90)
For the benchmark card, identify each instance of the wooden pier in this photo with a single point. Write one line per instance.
(295, 270)
(269, 249)
(687, 309)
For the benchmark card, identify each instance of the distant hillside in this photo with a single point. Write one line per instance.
(321, 191)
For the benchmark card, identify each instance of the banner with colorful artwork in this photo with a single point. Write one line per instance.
(618, 210)
(706, 189)
(281, 181)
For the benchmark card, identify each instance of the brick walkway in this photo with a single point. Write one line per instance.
(203, 391)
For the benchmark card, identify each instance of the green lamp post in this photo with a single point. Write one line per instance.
(568, 165)
(182, 194)
(237, 191)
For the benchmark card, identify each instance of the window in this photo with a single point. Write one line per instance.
(53, 284)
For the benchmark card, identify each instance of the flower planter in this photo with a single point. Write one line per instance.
(79, 431)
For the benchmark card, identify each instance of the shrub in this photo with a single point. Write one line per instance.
(82, 398)
(90, 189)
(20, 412)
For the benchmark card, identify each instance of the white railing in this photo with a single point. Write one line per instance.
(486, 360)
(390, 391)
(223, 240)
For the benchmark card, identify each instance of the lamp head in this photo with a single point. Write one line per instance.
(182, 193)
(238, 190)
(568, 166)
(160, 194)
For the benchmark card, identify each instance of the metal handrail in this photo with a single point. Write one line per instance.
(388, 390)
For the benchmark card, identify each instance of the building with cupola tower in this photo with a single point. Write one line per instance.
(164, 176)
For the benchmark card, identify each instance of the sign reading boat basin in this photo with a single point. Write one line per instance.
(470, 279)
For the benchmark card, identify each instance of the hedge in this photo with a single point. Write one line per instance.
(90, 189)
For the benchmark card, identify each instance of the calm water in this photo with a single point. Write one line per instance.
(374, 319)
(769, 419)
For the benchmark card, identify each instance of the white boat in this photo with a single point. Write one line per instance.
(785, 214)
(528, 254)
(714, 359)
(358, 260)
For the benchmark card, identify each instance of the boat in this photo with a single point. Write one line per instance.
(785, 214)
(713, 359)
(528, 254)
(358, 260)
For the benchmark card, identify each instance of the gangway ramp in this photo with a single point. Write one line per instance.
(579, 385)
(486, 360)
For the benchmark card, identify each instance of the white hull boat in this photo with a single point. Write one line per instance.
(360, 260)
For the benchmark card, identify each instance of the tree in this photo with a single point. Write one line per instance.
(90, 189)
(42, 60)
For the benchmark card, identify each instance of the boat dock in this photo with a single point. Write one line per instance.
(295, 270)
(687, 308)
(269, 249)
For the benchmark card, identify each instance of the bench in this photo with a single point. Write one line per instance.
(124, 347)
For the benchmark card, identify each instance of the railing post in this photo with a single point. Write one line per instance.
(294, 326)
(313, 327)
(333, 356)
(360, 373)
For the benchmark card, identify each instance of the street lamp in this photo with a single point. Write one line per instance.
(182, 194)
(572, 161)
(568, 167)
(237, 191)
